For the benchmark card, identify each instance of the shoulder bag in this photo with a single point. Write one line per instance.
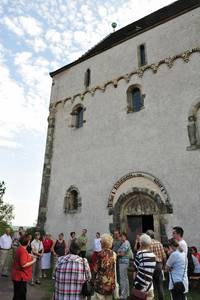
(87, 287)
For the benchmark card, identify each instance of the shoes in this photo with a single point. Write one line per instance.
(4, 275)
(37, 282)
(32, 283)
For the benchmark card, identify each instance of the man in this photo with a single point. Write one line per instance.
(145, 262)
(177, 234)
(96, 249)
(157, 248)
(37, 251)
(82, 240)
(117, 241)
(116, 245)
(71, 273)
(5, 246)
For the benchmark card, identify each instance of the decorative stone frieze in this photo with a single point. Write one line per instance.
(168, 61)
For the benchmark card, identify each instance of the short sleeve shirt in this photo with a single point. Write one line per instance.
(18, 272)
(178, 265)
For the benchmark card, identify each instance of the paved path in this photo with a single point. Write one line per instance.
(37, 292)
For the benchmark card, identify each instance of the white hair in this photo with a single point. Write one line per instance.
(145, 239)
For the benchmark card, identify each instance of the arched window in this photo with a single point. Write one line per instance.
(87, 78)
(77, 116)
(72, 200)
(142, 58)
(135, 99)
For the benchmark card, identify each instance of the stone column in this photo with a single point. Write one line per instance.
(46, 169)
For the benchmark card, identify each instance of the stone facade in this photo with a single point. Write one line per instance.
(151, 144)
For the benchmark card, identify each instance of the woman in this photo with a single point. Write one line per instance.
(177, 267)
(71, 272)
(104, 270)
(72, 237)
(196, 271)
(37, 251)
(145, 262)
(195, 253)
(59, 248)
(22, 269)
(46, 258)
(123, 260)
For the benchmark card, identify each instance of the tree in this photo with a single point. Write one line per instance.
(6, 209)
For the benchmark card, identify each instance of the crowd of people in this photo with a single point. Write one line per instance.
(109, 267)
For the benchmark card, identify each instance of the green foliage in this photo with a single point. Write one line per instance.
(6, 209)
(3, 226)
(32, 231)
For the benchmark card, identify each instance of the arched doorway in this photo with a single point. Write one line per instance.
(140, 207)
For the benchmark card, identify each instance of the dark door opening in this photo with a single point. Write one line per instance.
(137, 225)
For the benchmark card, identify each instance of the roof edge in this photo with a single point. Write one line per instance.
(156, 18)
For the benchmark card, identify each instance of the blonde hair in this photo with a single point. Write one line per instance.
(106, 241)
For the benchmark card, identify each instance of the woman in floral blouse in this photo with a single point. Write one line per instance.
(104, 271)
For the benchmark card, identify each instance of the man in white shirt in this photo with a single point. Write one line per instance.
(96, 249)
(177, 234)
(5, 247)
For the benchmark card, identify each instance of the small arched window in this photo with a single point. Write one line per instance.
(87, 78)
(72, 200)
(77, 116)
(135, 99)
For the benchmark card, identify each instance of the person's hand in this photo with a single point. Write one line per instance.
(34, 259)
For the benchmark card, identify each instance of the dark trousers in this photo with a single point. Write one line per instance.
(82, 254)
(178, 296)
(19, 290)
(158, 281)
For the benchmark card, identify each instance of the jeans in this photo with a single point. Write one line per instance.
(19, 290)
(123, 281)
(158, 281)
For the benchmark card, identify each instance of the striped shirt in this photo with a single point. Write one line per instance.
(145, 262)
(70, 276)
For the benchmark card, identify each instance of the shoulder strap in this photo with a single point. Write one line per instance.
(84, 271)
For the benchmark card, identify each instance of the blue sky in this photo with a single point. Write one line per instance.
(37, 37)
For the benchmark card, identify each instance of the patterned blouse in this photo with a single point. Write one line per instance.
(104, 272)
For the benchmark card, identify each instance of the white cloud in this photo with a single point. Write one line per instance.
(30, 25)
(13, 26)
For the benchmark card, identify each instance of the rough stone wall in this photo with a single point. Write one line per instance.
(113, 143)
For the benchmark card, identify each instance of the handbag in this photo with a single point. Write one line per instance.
(179, 287)
(139, 294)
(87, 287)
(116, 290)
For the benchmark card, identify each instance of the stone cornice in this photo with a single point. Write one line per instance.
(169, 61)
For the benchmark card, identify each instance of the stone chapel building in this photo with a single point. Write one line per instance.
(123, 141)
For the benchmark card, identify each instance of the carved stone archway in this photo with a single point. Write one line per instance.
(141, 202)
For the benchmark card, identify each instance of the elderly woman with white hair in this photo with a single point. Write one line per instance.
(145, 262)
(104, 270)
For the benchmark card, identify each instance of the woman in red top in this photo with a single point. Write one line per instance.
(46, 258)
(22, 269)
